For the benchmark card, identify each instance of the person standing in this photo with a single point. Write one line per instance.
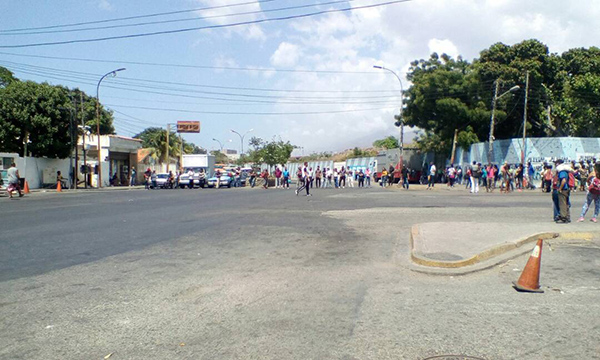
(350, 177)
(451, 175)
(391, 175)
(564, 192)
(133, 174)
(13, 181)
(432, 172)
(252, 178)
(265, 176)
(278, 174)
(286, 178)
(147, 176)
(342, 174)
(318, 175)
(368, 177)
(475, 175)
(383, 180)
(491, 175)
(593, 194)
(361, 178)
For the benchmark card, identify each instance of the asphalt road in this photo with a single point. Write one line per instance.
(254, 274)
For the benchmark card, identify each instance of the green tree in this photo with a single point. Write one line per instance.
(89, 113)
(155, 138)
(38, 112)
(6, 77)
(220, 158)
(390, 142)
(272, 153)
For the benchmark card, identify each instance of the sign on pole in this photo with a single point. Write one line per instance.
(188, 126)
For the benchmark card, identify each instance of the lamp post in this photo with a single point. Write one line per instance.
(401, 108)
(494, 101)
(242, 138)
(220, 144)
(113, 73)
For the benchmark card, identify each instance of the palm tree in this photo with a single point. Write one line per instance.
(155, 139)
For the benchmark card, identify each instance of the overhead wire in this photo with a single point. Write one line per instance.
(197, 28)
(179, 20)
(139, 16)
(204, 67)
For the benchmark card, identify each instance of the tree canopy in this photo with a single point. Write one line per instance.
(155, 138)
(42, 113)
(390, 142)
(271, 152)
(448, 94)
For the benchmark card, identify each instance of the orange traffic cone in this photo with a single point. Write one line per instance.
(58, 187)
(530, 277)
(26, 188)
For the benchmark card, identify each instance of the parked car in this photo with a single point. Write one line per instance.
(3, 180)
(162, 181)
(226, 181)
(199, 178)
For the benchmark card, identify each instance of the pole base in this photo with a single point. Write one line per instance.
(523, 289)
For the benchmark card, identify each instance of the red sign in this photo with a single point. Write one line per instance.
(188, 126)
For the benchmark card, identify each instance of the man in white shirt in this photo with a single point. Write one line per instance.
(432, 171)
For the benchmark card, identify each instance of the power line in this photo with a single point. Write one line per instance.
(204, 67)
(137, 17)
(241, 23)
(250, 113)
(202, 85)
(179, 20)
(281, 99)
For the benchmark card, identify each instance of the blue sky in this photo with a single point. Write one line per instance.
(346, 104)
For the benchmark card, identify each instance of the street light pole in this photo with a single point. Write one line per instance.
(220, 144)
(494, 101)
(401, 108)
(242, 138)
(113, 73)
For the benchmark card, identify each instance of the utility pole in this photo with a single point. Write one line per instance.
(168, 131)
(454, 146)
(85, 176)
(491, 139)
(73, 111)
(523, 150)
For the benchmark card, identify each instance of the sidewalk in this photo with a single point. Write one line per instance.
(456, 248)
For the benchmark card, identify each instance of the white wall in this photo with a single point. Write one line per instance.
(39, 170)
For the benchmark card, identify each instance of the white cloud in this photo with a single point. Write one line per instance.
(222, 15)
(443, 47)
(286, 55)
(105, 5)
(395, 36)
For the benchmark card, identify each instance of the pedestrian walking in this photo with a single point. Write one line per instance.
(593, 194)
(305, 180)
(405, 173)
(13, 181)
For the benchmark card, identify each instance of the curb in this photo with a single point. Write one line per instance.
(479, 261)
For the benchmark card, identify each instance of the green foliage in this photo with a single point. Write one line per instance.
(39, 112)
(155, 138)
(272, 153)
(6, 77)
(42, 112)
(89, 113)
(220, 158)
(448, 94)
(390, 142)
